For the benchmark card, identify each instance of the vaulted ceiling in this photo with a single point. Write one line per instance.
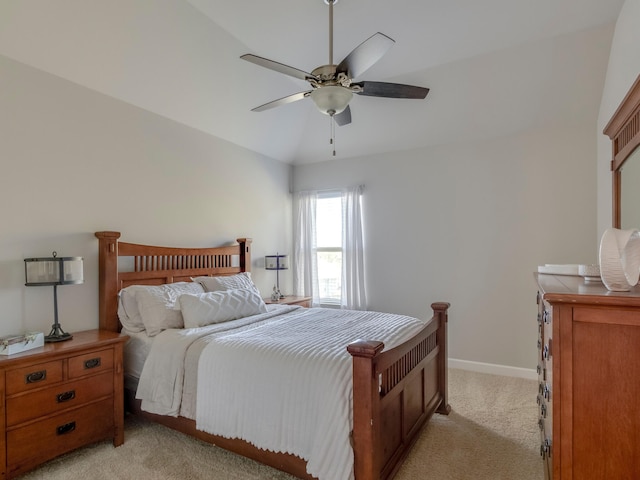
(494, 67)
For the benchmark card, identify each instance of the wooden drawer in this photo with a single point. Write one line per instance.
(56, 398)
(34, 376)
(38, 442)
(90, 363)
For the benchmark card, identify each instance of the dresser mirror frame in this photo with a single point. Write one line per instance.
(624, 131)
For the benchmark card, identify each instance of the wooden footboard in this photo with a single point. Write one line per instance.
(395, 393)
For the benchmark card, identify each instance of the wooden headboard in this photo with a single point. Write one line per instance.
(150, 265)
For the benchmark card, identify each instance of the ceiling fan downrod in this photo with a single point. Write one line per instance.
(330, 3)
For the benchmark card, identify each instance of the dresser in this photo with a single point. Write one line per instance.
(589, 379)
(60, 397)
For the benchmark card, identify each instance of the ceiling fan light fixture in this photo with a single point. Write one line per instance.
(331, 99)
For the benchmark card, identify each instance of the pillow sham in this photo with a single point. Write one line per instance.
(221, 306)
(128, 312)
(158, 304)
(227, 282)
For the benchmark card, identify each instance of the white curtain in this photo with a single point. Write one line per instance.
(353, 294)
(305, 275)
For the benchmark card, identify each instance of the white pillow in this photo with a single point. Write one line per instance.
(158, 305)
(222, 306)
(128, 312)
(227, 282)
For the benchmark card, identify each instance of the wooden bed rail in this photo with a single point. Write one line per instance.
(411, 385)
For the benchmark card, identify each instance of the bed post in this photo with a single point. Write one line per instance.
(440, 309)
(365, 406)
(108, 280)
(245, 253)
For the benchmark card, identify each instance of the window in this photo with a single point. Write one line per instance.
(329, 247)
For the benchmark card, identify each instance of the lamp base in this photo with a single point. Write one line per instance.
(57, 334)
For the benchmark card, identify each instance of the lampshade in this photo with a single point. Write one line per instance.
(54, 271)
(276, 262)
(331, 99)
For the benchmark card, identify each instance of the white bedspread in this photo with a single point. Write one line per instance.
(163, 374)
(279, 380)
(286, 386)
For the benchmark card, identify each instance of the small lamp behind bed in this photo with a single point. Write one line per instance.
(54, 271)
(277, 262)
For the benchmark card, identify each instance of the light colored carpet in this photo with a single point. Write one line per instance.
(491, 434)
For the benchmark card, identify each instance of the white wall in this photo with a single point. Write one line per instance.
(468, 224)
(623, 69)
(75, 161)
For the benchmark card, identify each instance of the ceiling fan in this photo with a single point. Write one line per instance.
(332, 86)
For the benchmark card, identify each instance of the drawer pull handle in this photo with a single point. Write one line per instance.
(546, 392)
(92, 363)
(35, 376)
(66, 428)
(66, 396)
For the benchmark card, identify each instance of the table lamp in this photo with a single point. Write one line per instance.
(54, 271)
(277, 262)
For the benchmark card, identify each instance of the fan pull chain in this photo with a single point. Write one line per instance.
(332, 140)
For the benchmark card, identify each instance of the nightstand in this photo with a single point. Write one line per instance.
(60, 397)
(291, 300)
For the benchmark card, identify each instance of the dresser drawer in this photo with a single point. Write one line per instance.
(34, 376)
(39, 403)
(90, 363)
(40, 441)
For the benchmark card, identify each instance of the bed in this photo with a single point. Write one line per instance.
(393, 391)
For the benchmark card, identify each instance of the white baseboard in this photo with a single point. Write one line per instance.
(493, 369)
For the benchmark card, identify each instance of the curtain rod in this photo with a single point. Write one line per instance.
(328, 190)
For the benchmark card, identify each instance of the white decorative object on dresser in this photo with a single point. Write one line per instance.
(588, 367)
(620, 259)
(12, 344)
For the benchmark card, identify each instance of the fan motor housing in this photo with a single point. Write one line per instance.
(325, 72)
(327, 76)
